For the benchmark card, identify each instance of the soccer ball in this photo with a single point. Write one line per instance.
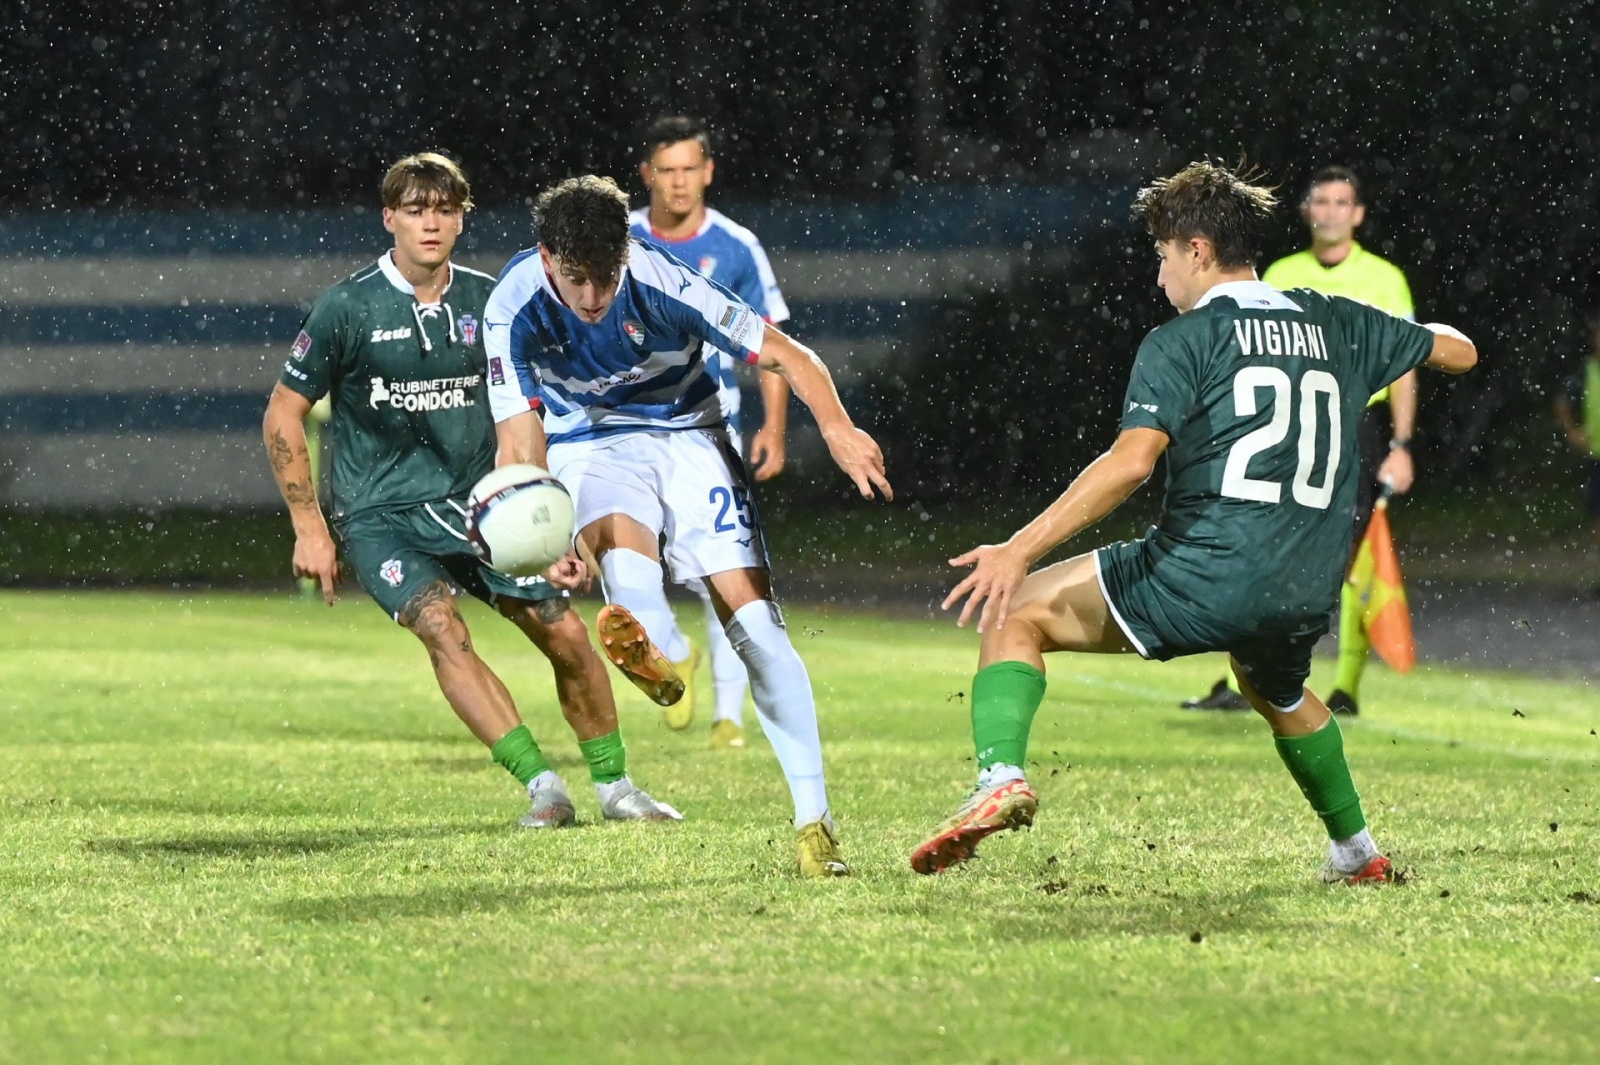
(519, 520)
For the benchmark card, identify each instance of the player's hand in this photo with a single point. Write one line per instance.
(1397, 471)
(997, 570)
(767, 453)
(857, 454)
(569, 574)
(316, 559)
(1578, 439)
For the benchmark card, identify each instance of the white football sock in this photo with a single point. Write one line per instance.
(1352, 855)
(729, 678)
(788, 713)
(635, 582)
(998, 774)
(547, 779)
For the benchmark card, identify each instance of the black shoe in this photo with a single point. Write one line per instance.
(1221, 697)
(1343, 703)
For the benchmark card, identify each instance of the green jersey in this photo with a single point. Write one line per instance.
(1260, 393)
(1361, 275)
(411, 418)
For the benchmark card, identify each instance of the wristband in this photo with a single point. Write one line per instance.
(1399, 444)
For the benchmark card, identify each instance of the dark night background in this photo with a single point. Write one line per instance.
(1472, 124)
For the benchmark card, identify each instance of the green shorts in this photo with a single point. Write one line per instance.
(395, 554)
(1167, 618)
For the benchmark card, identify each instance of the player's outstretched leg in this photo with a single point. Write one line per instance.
(1005, 697)
(1312, 747)
(655, 654)
(1057, 608)
(729, 680)
(584, 692)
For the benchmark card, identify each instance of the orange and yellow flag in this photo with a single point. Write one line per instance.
(1375, 574)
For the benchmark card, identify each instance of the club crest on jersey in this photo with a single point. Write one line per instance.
(708, 263)
(635, 332)
(390, 571)
(302, 346)
(469, 329)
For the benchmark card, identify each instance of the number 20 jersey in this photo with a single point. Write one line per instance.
(1261, 393)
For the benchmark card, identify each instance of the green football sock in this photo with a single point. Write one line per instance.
(607, 758)
(519, 754)
(1317, 764)
(1353, 642)
(1005, 696)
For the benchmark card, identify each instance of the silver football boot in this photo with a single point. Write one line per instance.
(623, 800)
(551, 806)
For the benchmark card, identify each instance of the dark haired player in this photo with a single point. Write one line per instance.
(1253, 395)
(605, 338)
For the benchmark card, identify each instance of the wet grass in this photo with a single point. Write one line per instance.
(244, 828)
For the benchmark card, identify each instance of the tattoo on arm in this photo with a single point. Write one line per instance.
(279, 452)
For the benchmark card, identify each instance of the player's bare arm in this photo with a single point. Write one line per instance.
(856, 453)
(1397, 471)
(520, 438)
(284, 432)
(1102, 486)
(767, 450)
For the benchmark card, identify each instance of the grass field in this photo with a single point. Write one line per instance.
(243, 828)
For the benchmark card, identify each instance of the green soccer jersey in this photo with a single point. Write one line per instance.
(411, 417)
(1260, 393)
(1361, 275)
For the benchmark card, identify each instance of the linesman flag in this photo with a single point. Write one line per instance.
(1375, 574)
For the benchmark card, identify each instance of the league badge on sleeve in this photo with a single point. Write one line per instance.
(739, 323)
(302, 346)
(497, 371)
(469, 329)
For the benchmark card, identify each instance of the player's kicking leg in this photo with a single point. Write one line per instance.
(1059, 608)
(1311, 746)
(584, 692)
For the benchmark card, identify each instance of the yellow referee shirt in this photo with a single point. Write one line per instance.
(1361, 276)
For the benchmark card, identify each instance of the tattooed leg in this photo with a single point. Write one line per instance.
(477, 696)
(583, 686)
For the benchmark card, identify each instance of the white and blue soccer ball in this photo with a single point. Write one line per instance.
(519, 519)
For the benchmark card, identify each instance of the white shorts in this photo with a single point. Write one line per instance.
(686, 484)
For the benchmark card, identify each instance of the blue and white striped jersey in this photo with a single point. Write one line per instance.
(641, 367)
(730, 255)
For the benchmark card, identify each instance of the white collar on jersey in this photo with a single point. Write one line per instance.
(398, 280)
(1251, 295)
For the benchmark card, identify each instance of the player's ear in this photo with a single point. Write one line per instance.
(1358, 215)
(644, 173)
(711, 169)
(388, 219)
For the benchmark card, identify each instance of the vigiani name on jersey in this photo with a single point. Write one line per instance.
(1268, 336)
(436, 393)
